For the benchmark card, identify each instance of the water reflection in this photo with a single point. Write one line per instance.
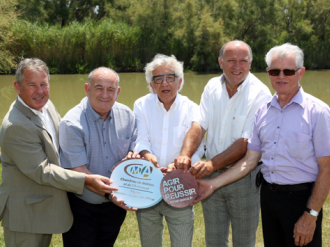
(67, 90)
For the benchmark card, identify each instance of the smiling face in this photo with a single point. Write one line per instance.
(166, 91)
(235, 64)
(103, 91)
(34, 90)
(285, 86)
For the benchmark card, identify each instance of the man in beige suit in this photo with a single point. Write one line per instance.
(33, 200)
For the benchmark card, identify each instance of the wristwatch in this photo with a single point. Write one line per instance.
(312, 212)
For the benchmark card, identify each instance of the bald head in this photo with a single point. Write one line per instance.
(103, 73)
(233, 45)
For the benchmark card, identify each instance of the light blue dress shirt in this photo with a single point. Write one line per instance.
(87, 139)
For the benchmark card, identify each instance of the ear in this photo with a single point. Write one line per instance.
(268, 73)
(220, 62)
(180, 82)
(118, 91)
(301, 73)
(151, 85)
(250, 64)
(17, 87)
(86, 88)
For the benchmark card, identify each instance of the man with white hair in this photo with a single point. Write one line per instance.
(163, 118)
(291, 135)
(226, 112)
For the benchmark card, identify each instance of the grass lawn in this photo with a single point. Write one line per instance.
(129, 233)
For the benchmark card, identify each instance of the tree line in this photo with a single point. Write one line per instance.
(75, 36)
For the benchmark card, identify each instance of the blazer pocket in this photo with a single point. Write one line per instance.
(36, 198)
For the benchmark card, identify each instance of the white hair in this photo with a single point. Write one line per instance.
(285, 50)
(169, 61)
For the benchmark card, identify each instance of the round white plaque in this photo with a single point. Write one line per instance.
(138, 183)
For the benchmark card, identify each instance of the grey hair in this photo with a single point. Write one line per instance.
(92, 72)
(236, 40)
(169, 61)
(34, 64)
(285, 50)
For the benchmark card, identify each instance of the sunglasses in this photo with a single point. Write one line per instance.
(287, 72)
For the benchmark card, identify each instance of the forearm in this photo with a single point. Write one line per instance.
(192, 140)
(231, 155)
(322, 185)
(238, 170)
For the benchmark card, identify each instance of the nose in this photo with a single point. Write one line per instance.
(237, 64)
(164, 79)
(281, 75)
(39, 89)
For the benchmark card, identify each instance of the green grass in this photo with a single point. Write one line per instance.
(129, 233)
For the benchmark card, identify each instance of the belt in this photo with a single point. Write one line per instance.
(289, 188)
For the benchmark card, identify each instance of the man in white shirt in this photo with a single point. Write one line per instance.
(226, 112)
(163, 119)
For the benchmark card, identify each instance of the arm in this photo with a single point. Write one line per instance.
(237, 171)
(191, 143)
(304, 228)
(231, 155)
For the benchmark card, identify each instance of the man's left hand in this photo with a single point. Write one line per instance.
(304, 229)
(132, 155)
(120, 203)
(202, 168)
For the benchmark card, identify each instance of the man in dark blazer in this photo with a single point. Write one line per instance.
(33, 200)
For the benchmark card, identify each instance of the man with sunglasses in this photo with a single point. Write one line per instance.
(291, 135)
(226, 112)
(163, 117)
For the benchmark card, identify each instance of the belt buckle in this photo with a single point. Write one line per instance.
(272, 187)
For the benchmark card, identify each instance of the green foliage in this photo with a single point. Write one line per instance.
(7, 19)
(80, 47)
(77, 36)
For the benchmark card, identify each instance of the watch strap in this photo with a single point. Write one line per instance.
(312, 212)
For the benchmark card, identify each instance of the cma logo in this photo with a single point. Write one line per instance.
(138, 171)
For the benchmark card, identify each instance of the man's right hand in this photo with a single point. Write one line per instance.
(99, 184)
(182, 162)
(205, 189)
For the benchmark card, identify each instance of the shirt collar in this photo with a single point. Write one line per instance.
(95, 115)
(36, 112)
(298, 99)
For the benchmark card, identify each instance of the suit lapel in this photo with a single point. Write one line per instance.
(54, 116)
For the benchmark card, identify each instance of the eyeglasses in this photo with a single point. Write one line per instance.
(158, 79)
(287, 72)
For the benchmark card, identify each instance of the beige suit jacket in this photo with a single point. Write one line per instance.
(33, 189)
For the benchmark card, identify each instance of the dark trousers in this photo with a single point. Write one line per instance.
(94, 225)
(280, 211)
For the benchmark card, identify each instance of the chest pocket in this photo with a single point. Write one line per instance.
(299, 145)
(237, 126)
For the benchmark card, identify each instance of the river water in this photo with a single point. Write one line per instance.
(66, 91)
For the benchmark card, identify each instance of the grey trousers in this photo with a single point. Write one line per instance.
(23, 239)
(237, 204)
(180, 223)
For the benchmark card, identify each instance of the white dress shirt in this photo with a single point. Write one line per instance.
(228, 119)
(46, 120)
(162, 132)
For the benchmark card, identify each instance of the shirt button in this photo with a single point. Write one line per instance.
(105, 143)
(233, 117)
(272, 172)
(107, 157)
(272, 158)
(278, 127)
(274, 142)
(165, 129)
